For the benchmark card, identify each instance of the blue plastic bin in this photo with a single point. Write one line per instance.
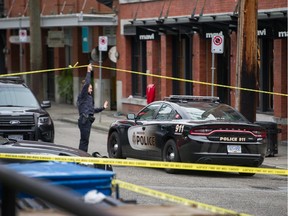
(80, 179)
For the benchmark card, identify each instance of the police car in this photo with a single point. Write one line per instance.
(192, 129)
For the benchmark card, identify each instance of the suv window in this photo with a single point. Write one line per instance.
(17, 96)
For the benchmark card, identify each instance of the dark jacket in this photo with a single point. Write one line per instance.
(85, 101)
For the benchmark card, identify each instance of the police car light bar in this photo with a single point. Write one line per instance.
(189, 98)
(12, 79)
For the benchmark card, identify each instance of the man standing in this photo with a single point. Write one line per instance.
(86, 110)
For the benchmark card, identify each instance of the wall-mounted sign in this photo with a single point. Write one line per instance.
(55, 39)
(85, 40)
(16, 40)
(147, 35)
(267, 32)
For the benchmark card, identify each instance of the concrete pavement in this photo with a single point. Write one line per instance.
(69, 113)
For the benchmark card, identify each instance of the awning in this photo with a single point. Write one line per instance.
(62, 20)
(207, 23)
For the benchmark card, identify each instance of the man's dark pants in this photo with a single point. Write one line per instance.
(84, 125)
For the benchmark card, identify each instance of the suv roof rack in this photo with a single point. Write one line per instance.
(189, 98)
(12, 79)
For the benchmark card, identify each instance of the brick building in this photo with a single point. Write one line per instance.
(173, 39)
(69, 32)
(164, 42)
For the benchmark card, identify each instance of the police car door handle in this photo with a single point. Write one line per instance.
(143, 128)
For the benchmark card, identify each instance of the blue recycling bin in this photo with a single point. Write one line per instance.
(80, 179)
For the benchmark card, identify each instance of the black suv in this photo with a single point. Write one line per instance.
(21, 115)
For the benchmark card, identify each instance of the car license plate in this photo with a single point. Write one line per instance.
(234, 148)
(16, 137)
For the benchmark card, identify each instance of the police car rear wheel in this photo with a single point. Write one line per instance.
(170, 154)
(114, 146)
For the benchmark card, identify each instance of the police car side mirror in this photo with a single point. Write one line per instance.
(131, 116)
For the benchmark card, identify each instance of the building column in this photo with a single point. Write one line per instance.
(59, 62)
(200, 70)
(280, 85)
(166, 65)
(233, 59)
(124, 80)
(153, 65)
(78, 56)
(12, 58)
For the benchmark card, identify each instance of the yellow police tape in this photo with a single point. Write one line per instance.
(150, 164)
(146, 74)
(172, 198)
(146, 163)
(194, 81)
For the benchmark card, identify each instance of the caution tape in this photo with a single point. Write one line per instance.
(148, 164)
(41, 71)
(172, 198)
(146, 74)
(193, 81)
(125, 185)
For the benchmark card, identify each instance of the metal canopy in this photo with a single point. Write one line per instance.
(108, 3)
(202, 23)
(67, 20)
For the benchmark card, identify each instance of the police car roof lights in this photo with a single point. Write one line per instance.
(12, 79)
(189, 98)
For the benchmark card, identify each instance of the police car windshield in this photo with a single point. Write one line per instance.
(17, 96)
(218, 112)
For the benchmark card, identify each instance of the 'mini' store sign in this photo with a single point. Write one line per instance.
(261, 33)
(147, 37)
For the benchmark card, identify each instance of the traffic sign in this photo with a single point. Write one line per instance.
(23, 35)
(217, 44)
(103, 43)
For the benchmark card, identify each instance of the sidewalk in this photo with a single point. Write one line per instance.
(69, 113)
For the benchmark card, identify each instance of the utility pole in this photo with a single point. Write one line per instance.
(36, 48)
(246, 65)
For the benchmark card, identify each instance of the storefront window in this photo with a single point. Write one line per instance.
(139, 64)
(265, 74)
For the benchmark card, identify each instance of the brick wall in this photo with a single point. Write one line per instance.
(199, 66)
(233, 60)
(50, 7)
(201, 58)
(280, 84)
(166, 65)
(153, 65)
(186, 7)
